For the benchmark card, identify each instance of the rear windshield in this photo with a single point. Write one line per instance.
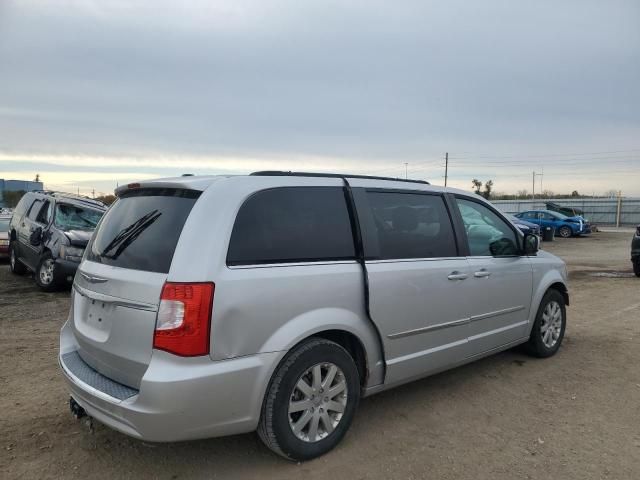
(141, 229)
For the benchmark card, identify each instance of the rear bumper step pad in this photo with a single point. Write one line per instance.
(74, 363)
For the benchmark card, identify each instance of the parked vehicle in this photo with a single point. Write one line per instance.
(48, 233)
(565, 226)
(568, 211)
(4, 236)
(209, 306)
(635, 252)
(524, 226)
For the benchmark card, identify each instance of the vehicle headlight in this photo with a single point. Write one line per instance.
(71, 253)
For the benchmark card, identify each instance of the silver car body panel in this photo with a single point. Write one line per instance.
(421, 321)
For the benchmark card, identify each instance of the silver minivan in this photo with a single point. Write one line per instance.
(209, 306)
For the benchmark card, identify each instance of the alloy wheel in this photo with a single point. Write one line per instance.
(551, 325)
(318, 402)
(46, 271)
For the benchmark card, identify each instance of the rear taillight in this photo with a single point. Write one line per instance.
(183, 325)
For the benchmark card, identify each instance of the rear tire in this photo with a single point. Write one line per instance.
(565, 232)
(46, 276)
(16, 266)
(310, 401)
(636, 266)
(548, 329)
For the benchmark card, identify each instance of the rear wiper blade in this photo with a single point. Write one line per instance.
(125, 232)
(132, 236)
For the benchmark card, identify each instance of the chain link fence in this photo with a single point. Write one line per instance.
(599, 211)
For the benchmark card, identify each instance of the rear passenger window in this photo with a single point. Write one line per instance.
(292, 224)
(410, 225)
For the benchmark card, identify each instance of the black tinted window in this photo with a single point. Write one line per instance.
(45, 213)
(410, 225)
(141, 229)
(292, 224)
(34, 210)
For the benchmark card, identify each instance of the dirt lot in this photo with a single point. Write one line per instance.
(574, 416)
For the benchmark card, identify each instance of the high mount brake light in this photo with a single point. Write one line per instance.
(183, 323)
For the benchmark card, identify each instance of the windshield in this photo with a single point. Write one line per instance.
(71, 217)
(559, 215)
(4, 224)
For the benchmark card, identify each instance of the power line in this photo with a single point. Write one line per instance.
(513, 155)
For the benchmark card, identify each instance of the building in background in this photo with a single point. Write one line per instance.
(16, 186)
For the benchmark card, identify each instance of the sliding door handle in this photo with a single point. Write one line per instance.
(457, 276)
(482, 273)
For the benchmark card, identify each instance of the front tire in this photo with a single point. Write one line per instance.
(16, 266)
(565, 232)
(548, 329)
(46, 276)
(311, 400)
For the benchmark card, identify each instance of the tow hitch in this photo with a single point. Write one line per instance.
(80, 413)
(76, 410)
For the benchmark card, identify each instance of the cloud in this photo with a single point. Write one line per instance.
(245, 85)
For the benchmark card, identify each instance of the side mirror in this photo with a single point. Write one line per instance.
(531, 244)
(503, 247)
(36, 237)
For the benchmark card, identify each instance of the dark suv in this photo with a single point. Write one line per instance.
(48, 233)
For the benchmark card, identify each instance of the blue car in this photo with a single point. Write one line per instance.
(565, 226)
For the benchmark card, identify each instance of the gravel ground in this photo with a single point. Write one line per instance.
(574, 416)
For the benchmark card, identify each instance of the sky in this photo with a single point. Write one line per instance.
(96, 93)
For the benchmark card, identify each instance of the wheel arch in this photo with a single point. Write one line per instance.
(562, 289)
(552, 280)
(340, 326)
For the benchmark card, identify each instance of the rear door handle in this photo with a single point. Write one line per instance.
(482, 273)
(457, 276)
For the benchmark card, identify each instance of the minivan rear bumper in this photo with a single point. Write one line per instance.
(179, 398)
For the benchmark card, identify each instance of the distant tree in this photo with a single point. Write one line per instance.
(488, 186)
(611, 193)
(477, 185)
(575, 193)
(548, 194)
(37, 179)
(523, 193)
(11, 199)
(106, 199)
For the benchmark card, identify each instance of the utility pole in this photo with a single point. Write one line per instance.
(93, 193)
(406, 174)
(618, 208)
(533, 187)
(446, 167)
(541, 175)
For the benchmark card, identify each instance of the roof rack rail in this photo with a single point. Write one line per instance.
(81, 198)
(280, 173)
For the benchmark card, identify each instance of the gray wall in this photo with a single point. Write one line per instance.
(600, 211)
(16, 185)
